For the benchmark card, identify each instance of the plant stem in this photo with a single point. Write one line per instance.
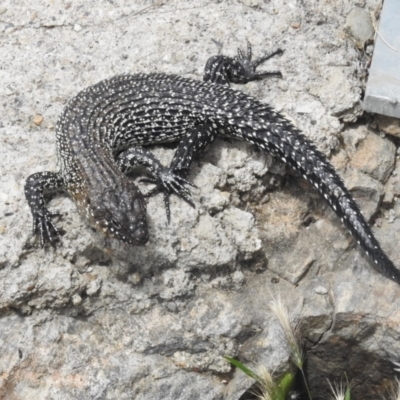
(305, 384)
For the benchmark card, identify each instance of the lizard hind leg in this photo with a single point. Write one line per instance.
(243, 70)
(240, 69)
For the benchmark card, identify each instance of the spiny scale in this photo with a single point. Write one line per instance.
(102, 129)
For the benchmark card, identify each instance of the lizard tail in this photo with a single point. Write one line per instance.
(285, 141)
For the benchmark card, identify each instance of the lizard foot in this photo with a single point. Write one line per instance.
(168, 182)
(45, 228)
(247, 71)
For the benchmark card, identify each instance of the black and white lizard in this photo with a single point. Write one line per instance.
(102, 129)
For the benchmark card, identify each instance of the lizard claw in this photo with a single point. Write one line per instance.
(168, 182)
(247, 71)
(45, 228)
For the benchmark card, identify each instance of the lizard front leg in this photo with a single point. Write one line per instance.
(165, 178)
(35, 187)
(170, 179)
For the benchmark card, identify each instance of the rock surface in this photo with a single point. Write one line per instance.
(95, 319)
(389, 125)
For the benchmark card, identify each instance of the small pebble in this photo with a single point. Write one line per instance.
(37, 120)
(93, 287)
(265, 199)
(9, 91)
(359, 25)
(321, 290)
(76, 299)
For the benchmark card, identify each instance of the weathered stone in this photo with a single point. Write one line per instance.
(374, 156)
(392, 187)
(368, 192)
(94, 318)
(389, 125)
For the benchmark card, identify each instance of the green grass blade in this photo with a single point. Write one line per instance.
(347, 393)
(244, 369)
(283, 386)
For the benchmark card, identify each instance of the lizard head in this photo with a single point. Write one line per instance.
(119, 212)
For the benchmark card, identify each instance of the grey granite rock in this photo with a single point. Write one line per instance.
(95, 319)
